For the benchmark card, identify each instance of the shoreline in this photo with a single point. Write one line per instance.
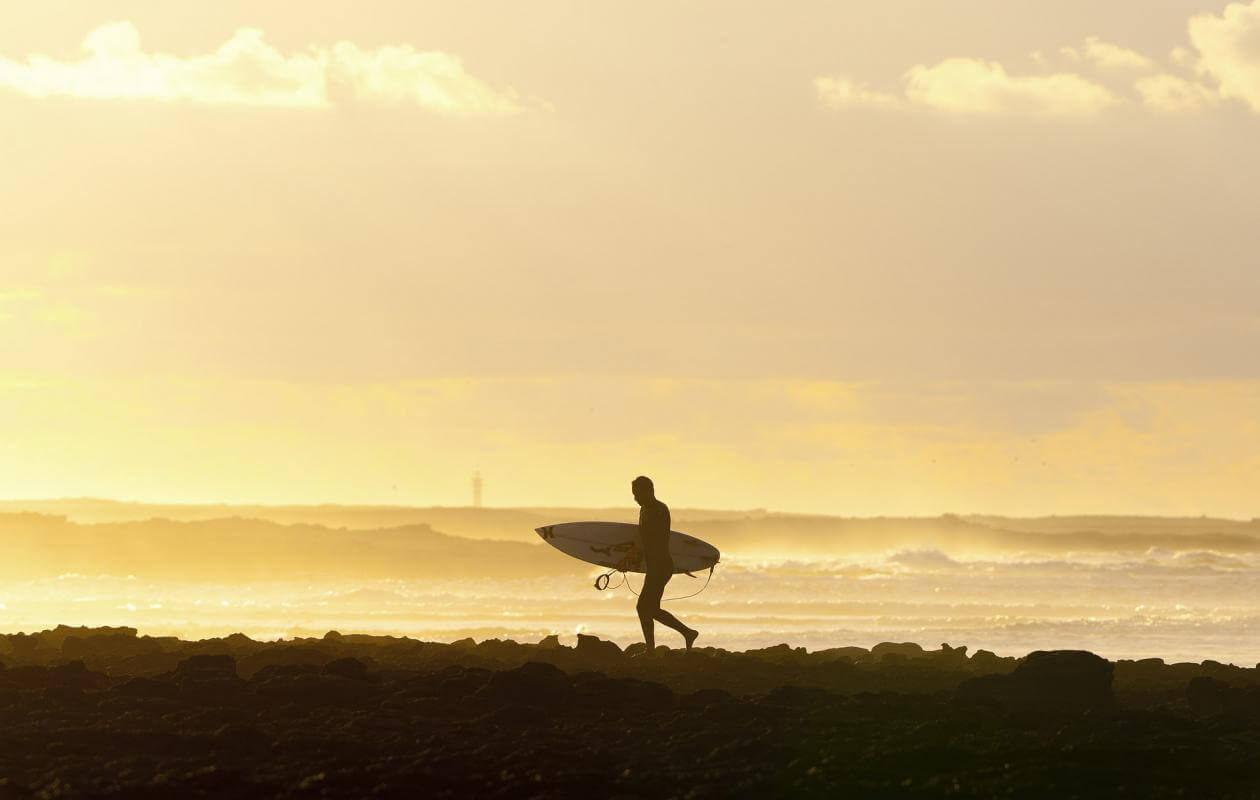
(94, 712)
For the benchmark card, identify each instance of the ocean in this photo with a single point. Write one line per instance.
(1178, 605)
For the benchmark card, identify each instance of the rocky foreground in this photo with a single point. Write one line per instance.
(106, 713)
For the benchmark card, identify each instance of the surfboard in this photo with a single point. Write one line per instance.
(609, 544)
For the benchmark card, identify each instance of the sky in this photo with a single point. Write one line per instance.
(894, 258)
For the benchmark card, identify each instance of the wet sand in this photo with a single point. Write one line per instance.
(107, 713)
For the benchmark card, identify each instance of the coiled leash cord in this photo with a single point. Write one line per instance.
(601, 583)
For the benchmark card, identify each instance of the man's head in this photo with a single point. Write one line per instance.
(643, 489)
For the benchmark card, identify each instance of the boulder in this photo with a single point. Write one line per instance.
(850, 654)
(949, 656)
(315, 690)
(206, 666)
(146, 688)
(351, 668)
(76, 675)
(208, 678)
(56, 637)
(904, 649)
(1047, 681)
(985, 661)
(596, 690)
(593, 650)
(286, 653)
(533, 683)
(1213, 696)
(780, 654)
(1209, 695)
(283, 671)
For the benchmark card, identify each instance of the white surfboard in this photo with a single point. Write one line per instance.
(609, 544)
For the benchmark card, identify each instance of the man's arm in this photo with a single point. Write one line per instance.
(653, 528)
(634, 556)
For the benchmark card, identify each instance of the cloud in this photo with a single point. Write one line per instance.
(1173, 95)
(1113, 56)
(1224, 52)
(247, 71)
(841, 92)
(973, 86)
(1229, 50)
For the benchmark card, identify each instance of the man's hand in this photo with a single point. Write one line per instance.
(632, 558)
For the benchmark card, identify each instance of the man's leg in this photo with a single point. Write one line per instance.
(669, 620)
(665, 618)
(689, 634)
(649, 606)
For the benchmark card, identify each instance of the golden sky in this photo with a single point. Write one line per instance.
(860, 258)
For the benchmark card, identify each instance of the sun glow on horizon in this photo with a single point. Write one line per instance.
(353, 260)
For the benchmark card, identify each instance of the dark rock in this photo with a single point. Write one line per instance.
(351, 668)
(314, 690)
(503, 650)
(432, 719)
(851, 654)
(707, 697)
(24, 647)
(71, 696)
(145, 687)
(27, 677)
(904, 649)
(949, 656)
(1052, 682)
(1207, 695)
(206, 666)
(780, 654)
(108, 647)
(242, 737)
(71, 675)
(533, 683)
(283, 671)
(239, 641)
(208, 678)
(601, 691)
(592, 649)
(146, 664)
(286, 653)
(55, 638)
(988, 690)
(799, 697)
(984, 662)
(455, 681)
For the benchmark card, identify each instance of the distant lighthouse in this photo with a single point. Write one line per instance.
(476, 484)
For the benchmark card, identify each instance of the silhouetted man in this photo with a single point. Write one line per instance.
(658, 564)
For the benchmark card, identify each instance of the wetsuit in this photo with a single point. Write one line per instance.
(654, 526)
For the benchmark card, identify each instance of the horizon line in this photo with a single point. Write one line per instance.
(691, 509)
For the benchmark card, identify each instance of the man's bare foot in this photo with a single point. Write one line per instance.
(690, 637)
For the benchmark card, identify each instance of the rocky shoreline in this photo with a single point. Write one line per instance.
(105, 712)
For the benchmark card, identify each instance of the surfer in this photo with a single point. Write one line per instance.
(653, 544)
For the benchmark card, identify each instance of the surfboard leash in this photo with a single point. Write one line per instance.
(606, 577)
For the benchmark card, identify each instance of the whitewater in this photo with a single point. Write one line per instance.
(1190, 605)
